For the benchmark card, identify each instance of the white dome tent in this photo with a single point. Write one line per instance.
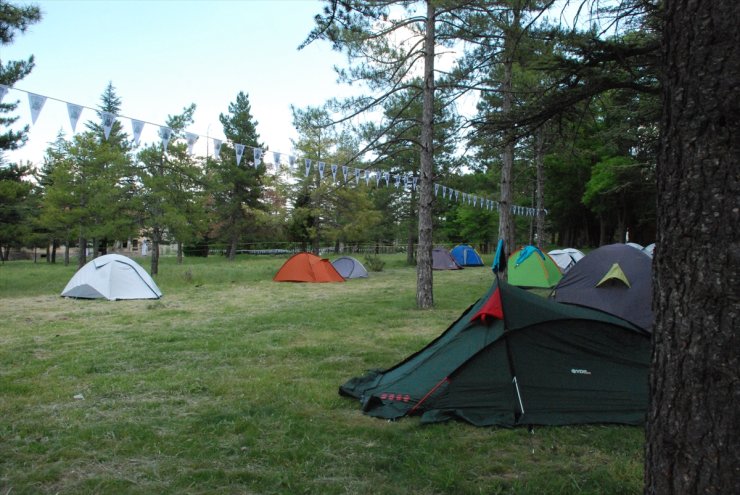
(112, 277)
(566, 258)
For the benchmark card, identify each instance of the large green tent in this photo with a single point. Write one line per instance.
(529, 267)
(516, 358)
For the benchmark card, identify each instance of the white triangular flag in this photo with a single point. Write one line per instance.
(3, 91)
(257, 157)
(36, 102)
(108, 119)
(334, 171)
(291, 162)
(276, 156)
(387, 177)
(357, 176)
(436, 189)
(377, 178)
(191, 138)
(138, 127)
(321, 169)
(397, 180)
(444, 191)
(239, 148)
(74, 112)
(308, 166)
(367, 177)
(345, 172)
(217, 148)
(165, 133)
(413, 182)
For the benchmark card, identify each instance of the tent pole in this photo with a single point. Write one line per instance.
(518, 395)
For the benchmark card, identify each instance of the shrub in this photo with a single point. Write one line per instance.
(374, 263)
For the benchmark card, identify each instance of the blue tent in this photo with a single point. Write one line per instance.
(466, 256)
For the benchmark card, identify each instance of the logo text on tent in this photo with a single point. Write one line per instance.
(576, 371)
(401, 397)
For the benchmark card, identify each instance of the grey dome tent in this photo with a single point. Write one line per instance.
(617, 279)
(112, 277)
(443, 260)
(515, 358)
(349, 267)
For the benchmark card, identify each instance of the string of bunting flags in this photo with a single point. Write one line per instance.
(349, 174)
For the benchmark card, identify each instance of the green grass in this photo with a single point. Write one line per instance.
(228, 384)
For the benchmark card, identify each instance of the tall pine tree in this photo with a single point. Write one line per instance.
(237, 187)
(13, 20)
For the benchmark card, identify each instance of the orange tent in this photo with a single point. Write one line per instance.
(306, 267)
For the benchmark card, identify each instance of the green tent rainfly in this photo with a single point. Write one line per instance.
(529, 267)
(516, 358)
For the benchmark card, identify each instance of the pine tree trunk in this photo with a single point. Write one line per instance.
(232, 247)
(155, 256)
(539, 228)
(694, 414)
(54, 247)
(179, 252)
(424, 280)
(506, 217)
(82, 255)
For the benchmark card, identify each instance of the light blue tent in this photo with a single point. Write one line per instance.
(466, 256)
(349, 267)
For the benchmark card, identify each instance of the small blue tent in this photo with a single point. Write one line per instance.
(466, 256)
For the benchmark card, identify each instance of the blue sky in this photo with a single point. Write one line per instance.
(162, 55)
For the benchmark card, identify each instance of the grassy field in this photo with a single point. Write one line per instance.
(228, 385)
